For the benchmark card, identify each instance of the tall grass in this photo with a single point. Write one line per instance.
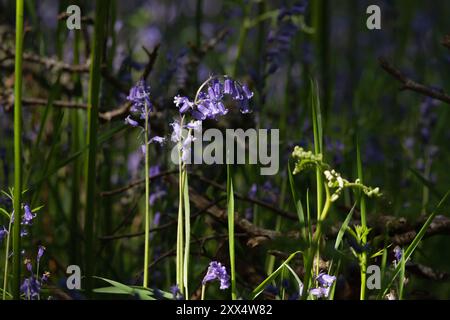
(91, 169)
(17, 199)
(363, 259)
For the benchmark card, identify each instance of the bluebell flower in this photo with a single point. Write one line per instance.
(183, 103)
(139, 96)
(154, 170)
(3, 233)
(154, 196)
(325, 280)
(209, 104)
(45, 276)
(176, 293)
(28, 265)
(28, 215)
(217, 272)
(41, 250)
(397, 253)
(157, 139)
(320, 292)
(131, 122)
(31, 287)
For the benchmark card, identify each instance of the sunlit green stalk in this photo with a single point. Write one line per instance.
(363, 259)
(180, 226)
(93, 102)
(17, 149)
(147, 197)
(5, 275)
(187, 231)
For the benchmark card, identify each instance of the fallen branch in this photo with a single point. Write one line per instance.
(409, 84)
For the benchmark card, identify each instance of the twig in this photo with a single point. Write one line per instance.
(88, 20)
(411, 85)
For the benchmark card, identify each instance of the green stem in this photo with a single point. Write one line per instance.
(187, 231)
(17, 149)
(203, 292)
(363, 258)
(5, 275)
(180, 227)
(93, 102)
(147, 197)
(76, 170)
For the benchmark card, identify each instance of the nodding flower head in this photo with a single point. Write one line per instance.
(175, 290)
(217, 271)
(139, 97)
(31, 287)
(3, 232)
(208, 103)
(320, 292)
(397, 253)
(41, 250)
(28, 215)
(325, 280)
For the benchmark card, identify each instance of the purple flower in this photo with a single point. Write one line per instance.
(28, 215)
(157, 219)
(156, 195)
(31, 287)
(183, 103)
(3, 233)
(195, 125)
(28, 265)
(157, 139)
(154, 170)
(209, 104)
(397, 253)
(320, 292)
(41, 250)
(176, 133)
(176, 292)
(131, 122)
(217, 271)
(45, 276)
(139, 96)
(325, 280)
(228, 86)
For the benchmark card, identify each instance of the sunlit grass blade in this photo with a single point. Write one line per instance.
(230, 211)
(260, 288)
(412, 247)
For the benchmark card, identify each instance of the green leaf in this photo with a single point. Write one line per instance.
(257, 291)
(344, 227)
(5, 213)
